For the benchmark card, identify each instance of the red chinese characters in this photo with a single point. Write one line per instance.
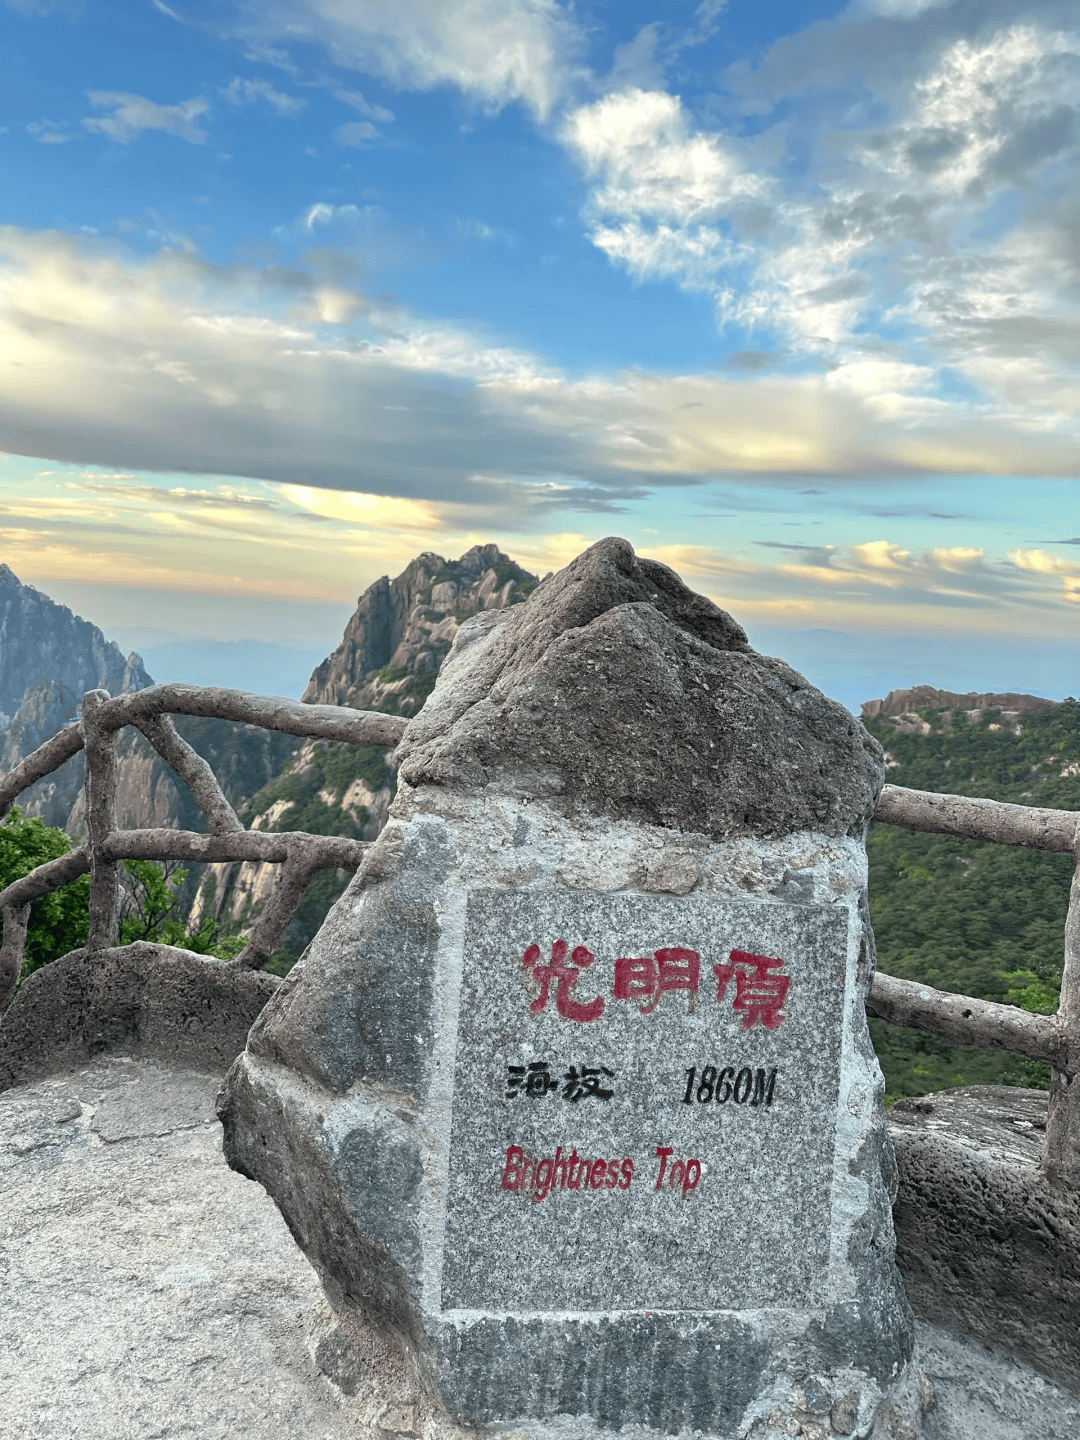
(647, 978)
(761, 987)
(760, 990)
(565, 974)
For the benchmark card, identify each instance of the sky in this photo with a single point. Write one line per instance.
(786, 294)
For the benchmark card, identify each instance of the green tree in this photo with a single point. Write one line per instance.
(969, 917)
(151, 911)
(58, 921)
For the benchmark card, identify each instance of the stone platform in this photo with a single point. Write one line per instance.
(148, 1291)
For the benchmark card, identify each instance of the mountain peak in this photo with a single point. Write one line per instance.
(42, 640)
(395, 642)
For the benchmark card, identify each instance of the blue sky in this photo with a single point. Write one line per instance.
(291, 290)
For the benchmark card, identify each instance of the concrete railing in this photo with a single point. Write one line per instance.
(961, 1020)
(102, 717)
(958, 1019)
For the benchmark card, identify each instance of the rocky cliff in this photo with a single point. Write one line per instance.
(388, 659)
(41, 640)
(394, 644)
(49, 657)
(922, 710)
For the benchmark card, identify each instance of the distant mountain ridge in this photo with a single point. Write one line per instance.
(921, 709)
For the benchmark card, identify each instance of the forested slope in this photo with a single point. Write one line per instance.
(978, 919)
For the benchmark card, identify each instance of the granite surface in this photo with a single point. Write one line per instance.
(616, 690)
(719, 1203)
(986, 1245)
(343, 1108)
(146, 1000)
(146, 1291)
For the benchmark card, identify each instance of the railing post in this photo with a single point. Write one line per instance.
(1061, 1150)
(101, 777)
(16, 920)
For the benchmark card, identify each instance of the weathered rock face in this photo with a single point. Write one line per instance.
(402, 628)
(985, 1245)
(141, 1000)
(49, 658)
(617, 691)
(422, 1092)
(41, 640)
(46, 708)
(901, 709)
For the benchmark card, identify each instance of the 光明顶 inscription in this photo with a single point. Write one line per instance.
(761, 986)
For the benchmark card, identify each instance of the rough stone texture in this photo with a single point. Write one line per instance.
(409, 623)
(343, 1103)
(622, 693)
(983, 1396)
(139, 1000)
(145, 1290)
(986, 1247)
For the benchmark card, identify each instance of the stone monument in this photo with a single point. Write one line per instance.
(571, 1102)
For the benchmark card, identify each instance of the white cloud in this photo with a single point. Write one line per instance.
(931, 251)
(703, 25)
(132, 114)
(48, 132)
(240, 91)
(878, 579)
(1040, 563)
(901, 9)
(358, 102)
(988, 112)
(661, 188)
(357, 132)
(494, 51)
(648, 162)
(170, 364)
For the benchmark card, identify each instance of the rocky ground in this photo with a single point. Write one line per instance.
(148, 1293)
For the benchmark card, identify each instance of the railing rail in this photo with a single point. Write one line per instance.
(102, 717)
(958, 1019)
(962, 1020)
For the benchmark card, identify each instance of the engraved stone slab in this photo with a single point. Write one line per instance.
(644, 1104)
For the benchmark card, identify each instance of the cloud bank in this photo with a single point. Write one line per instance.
(171, 364)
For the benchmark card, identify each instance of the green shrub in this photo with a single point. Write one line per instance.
(59, 920)
(969, 917)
